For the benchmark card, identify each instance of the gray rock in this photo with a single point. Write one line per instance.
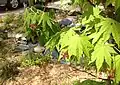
(11, 35)
(18, 35)
(55, 54)
(39, 49)
(74, 25)
(47, 52)
(76, 9)
(22, 42)
(66, 22)
(31, 45)
(21, 48)
(24, 38)
(14, 35)
(64, 62)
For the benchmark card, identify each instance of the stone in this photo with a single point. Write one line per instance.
(11, 35)
(31, 45)
(22, 42)
(39, 49)
(21, 48)
(18, 35)
(55, 54)
(66, 21)
(64, 62)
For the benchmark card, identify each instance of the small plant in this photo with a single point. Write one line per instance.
(32, 59)
(13, 22)
(40, 24)
(9, 18)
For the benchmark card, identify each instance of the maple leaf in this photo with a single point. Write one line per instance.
(108, 26)
(78, 45)
(102, 52)
(65, 38)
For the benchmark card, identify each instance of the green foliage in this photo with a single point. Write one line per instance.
(64, 41)
(106, 27)
(40, 24)
(93, 42)
(8, 18)
(35, 59)
(101, 30)
(102, 52)
(12, 22)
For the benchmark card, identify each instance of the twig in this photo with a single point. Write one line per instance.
(88, 73)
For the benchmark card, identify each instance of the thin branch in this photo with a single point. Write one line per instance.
(88, 73)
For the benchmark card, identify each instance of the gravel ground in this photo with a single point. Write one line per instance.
(17, 11)
(51, 74)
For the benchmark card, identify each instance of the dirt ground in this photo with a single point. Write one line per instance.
(51, 74)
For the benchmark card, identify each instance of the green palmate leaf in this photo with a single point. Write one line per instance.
(79, 45)
(55, 40)
(97, 36)
(91, 21)
(96, 11)
(86, 20)
(117, 67)
(87, 46)
(75, 47)
(108, 26)
(65, 38)
(102, 52)
(91, 11)
(74, 44)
